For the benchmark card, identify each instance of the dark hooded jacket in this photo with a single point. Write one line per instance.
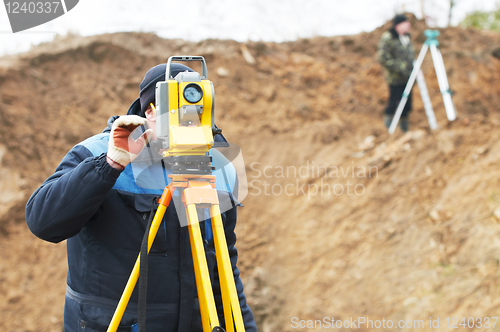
(102, 213)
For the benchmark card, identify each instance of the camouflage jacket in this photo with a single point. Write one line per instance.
(396, 58)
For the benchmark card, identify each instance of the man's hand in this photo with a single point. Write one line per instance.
(122, 148)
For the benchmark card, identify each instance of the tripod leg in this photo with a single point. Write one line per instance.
(232, 309)
(209, 317)
(443, 82)
(407, 90)
(129, 288)
(424, 93)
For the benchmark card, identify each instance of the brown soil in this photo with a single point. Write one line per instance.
(418, 238)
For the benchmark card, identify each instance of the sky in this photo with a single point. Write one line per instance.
(241, 20)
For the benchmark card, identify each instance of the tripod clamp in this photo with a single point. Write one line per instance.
(201, 165)
(218, 329)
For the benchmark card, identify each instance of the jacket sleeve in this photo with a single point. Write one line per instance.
(64, 203)
(387, 57)
(229, 226)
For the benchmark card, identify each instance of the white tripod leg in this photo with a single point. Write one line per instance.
(443, 82)
(407, 90)
(429, 111)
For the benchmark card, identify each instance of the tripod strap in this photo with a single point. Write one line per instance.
(188, 285)
(143, 275)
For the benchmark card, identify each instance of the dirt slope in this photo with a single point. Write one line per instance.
(337, 223)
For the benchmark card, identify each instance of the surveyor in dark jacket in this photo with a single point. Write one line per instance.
(100, 204)
(396, 54)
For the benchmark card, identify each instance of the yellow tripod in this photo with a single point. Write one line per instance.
(196, 191)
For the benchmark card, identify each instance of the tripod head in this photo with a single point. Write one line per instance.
(431, 37)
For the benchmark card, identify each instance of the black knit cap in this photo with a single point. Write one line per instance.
(399, 19)
(148, 86)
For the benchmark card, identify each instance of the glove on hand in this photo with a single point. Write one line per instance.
(122, 148)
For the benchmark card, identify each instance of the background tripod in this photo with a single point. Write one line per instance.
(416, 73)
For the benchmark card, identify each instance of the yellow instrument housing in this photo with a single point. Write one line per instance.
(190, 141)
(184, 127)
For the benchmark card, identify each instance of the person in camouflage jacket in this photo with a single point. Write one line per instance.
(396, 54)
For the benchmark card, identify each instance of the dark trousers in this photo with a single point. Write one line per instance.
(395, 95)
